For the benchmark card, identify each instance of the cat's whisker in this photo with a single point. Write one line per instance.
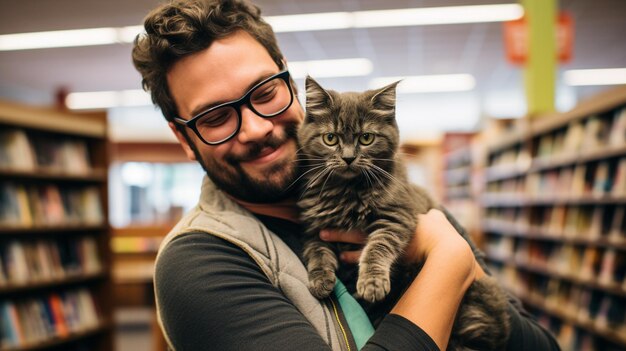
(381, 183)
(384, 159)
(311, 183)
(385, 173)
(302, 175)
(310, 159)
(327, 178)
(392, 178)
(367, 177)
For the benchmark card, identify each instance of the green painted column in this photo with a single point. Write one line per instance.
(541, 65)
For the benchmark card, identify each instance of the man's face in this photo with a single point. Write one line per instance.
(259, 163)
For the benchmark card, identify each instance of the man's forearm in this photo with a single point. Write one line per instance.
(432, 300)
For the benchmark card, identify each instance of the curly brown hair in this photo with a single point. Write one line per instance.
(184, 27)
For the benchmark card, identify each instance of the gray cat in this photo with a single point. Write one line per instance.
(354, 180)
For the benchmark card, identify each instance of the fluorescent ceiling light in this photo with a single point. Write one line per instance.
(428, 84)
(397, 17)
(331, 68)
(68, 38)
(107, 99)
(309, 22)
(606, 76)
(289, 23)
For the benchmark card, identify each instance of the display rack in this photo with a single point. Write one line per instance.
(462, 170)
(55, 276)
(554, 220)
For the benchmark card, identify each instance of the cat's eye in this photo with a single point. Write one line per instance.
(330, 139)
(366, 138)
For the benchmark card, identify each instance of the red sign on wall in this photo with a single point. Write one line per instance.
(516, 39)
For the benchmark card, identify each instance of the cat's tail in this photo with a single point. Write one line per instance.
(482, 322)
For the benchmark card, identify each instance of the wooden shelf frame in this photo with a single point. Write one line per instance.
(90, 128)
(571, 277)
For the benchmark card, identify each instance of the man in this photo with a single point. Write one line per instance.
(228, 276)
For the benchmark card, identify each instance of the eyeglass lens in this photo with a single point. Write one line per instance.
(267, 100)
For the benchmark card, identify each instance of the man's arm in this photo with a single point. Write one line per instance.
(437, 301)
(213, 295)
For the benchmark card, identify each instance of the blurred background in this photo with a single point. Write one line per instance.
(511, 113)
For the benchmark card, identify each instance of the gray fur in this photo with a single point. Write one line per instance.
(356, 185)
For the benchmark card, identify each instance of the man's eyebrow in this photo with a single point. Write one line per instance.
(205, 107)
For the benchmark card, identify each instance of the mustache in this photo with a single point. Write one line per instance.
(273, 141)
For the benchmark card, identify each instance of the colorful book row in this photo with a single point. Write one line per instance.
(58, 315)
(49, 205)
(20, 151)
(47, 260)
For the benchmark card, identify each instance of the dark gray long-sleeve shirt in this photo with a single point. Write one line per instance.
(213, 296)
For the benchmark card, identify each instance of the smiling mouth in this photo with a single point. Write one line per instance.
(267, 155)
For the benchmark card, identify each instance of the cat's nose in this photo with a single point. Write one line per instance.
(348, 160)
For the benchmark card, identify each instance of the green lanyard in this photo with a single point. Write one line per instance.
(359, 324)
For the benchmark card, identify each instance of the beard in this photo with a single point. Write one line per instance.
(275, 185)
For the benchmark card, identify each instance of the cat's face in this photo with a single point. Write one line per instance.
(349, 134)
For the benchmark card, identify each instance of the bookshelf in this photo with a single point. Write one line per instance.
(55, 275)
(462, 156)
(555, 220)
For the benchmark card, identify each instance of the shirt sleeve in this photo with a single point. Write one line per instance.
(213, 295)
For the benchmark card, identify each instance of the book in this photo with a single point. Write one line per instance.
(618, 186)
(579, 184)
(56, 308)
(618, 130)
(571, 222)
(88, 309)
(573, 138)
(590, 263)
(16, 266)
(75, 157)
(607, 267)
(14, 321)
(9, 331)
(601, 180)
(557, 220)
(617, 233)
(545, 148)
(16, 152)
(594, 229)
(9, 208)
(92, 213)
(89, 257)
(596, 134)
(3, 274)
(54, 212)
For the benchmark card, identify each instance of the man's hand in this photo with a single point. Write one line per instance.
(349, 237)
(433, 231)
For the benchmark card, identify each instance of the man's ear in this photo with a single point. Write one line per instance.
(184, 143)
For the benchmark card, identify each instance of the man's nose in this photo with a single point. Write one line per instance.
(253, 127)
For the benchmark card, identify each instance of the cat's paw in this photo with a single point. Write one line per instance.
(373, 287)
(321, 283)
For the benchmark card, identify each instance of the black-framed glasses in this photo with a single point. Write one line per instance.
(219, 124)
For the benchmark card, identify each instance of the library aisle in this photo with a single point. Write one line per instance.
(555, 220)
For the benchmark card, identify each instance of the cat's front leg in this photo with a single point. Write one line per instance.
(321, 265)
(384, 246)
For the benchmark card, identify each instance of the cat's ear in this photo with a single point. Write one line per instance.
(317, 98)
(385, 97)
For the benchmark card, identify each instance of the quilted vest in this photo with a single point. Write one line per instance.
(216, 214)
